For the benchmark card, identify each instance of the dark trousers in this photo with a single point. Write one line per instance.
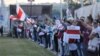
(41, 39)
(35, 36)
(47, 41)
(56, 42)
(74, 53)
(20, 34)
(1, 32)
(85, 49)
(80, 51)
(16, 35)
(90, 53)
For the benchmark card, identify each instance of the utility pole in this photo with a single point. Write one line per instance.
(67, 7)
(61, 14)
(67, 2)
(82, 4)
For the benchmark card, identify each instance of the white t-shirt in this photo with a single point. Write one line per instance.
(96, 30)
(19, 30)
(72, 46)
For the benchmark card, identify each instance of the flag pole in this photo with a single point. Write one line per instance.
(81, 3)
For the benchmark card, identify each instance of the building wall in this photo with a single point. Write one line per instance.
(34, 10)
(5, 18)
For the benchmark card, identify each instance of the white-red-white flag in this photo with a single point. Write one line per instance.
(72, 33)
(20, 13)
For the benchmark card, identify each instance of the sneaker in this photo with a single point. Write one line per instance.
(41, 44)
(33, 40)
(59, 54)
(48, 48)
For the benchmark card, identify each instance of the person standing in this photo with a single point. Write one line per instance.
(56, 41)
(15, 31)
(94, 40)
(87, 28)
(47, 38)
(20, 30)
(1, 30)
(35, 27)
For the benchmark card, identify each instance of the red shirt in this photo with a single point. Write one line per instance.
(60, 35)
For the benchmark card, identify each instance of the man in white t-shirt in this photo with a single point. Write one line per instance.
(94, 39)
(96, 30)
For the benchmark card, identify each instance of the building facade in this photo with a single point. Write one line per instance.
(4, 16)
(33, 10)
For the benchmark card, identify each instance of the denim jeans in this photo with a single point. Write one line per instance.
(80, 49)
(66, 49)
(60, 46)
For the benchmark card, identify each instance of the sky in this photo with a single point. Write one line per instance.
(7, 2)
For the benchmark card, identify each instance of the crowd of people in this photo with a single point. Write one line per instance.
(50, 35)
